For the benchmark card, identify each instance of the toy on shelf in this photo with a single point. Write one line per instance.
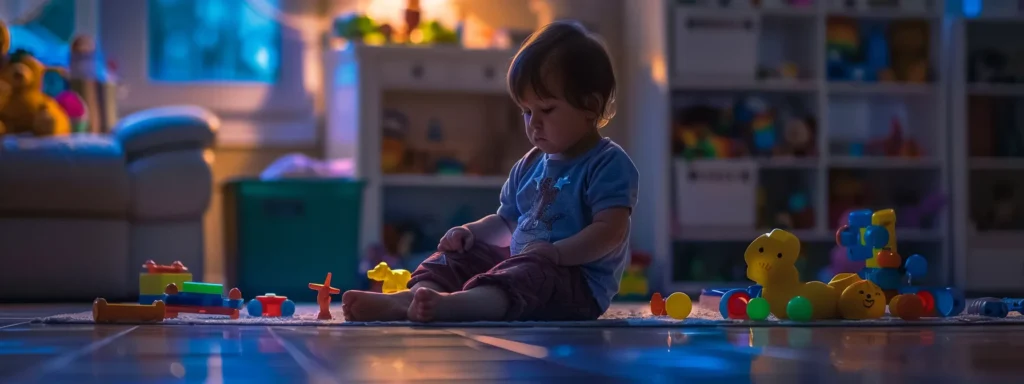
(201, 298)
(156, 278)
(323, 297)
(102, 312)
(894, 144)
(771, 262)
(909, 53)
(799, 139)
(394, 280)
(634, 280)
(271, 305)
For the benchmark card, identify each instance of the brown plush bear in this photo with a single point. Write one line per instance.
(27, 110)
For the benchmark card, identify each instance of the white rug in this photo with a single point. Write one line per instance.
(619, 315)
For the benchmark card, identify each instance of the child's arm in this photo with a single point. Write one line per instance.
(492, 229)
(611, 192)
(596, 240)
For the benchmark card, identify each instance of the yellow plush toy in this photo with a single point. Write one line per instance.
(28, 109)
(24, 107)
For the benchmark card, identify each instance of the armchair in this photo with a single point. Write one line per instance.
(80, 214)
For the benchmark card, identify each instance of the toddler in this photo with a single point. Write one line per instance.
(558, 244)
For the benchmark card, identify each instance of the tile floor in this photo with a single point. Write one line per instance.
(215, 354)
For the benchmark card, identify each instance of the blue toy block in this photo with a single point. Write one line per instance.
(1014, 305)
(754, 291)
(860, 218)
(916, 266)
(989, 307)
(876, 237)
(255, 308)
(149, 299)
(194, 299)
(201, 300)
(287, 308)
(949, 301)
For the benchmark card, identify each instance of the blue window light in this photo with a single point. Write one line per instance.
(48, 35)
(971, 8)
(212, 41)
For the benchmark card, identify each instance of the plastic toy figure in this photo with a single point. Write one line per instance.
(323, 297)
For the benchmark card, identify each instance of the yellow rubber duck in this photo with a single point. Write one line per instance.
(771, 262)
(394, 280)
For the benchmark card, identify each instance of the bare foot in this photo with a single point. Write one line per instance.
(374, 306)
(425, 305)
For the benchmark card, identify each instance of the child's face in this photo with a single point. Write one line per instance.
(552, 124)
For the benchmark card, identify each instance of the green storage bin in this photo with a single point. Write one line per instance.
(282, 235)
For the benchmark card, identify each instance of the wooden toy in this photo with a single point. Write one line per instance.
(394, 280)
(156, 277)
(103, 312)
(323, 297)
(201, 298)
(771, 262)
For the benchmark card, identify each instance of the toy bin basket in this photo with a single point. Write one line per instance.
(283, 234)
(710, 43)
(716, 193)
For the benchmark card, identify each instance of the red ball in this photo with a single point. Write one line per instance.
(929, 302)
(738, 305)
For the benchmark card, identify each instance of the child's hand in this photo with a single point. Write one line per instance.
(544, 249)
(458, 239)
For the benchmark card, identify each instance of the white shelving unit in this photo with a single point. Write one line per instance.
(991, 261)
(464, 88)
(845, 111)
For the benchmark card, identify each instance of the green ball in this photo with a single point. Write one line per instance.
(757, 309)
(799, 309)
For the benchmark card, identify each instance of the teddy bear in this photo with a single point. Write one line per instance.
(25, 108)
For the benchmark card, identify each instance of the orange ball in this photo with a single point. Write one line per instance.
(888, 259)
(657, 305)
(894, 306)
(911, 307)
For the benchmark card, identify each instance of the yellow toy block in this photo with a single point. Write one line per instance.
(885, 218)
(154, 283)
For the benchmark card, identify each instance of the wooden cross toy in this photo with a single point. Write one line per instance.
(323, 297)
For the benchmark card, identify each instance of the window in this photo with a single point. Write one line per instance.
(204, 40)
(48, 31)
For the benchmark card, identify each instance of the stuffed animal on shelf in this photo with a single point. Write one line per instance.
(909, 57)
(798, 138)
(27, 109)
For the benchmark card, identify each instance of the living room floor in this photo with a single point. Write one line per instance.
(213, 354)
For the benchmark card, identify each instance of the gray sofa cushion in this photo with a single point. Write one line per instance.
(146, 131)
(77, 175)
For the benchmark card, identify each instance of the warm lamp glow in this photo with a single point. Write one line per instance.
(659, 72)
(393, 11)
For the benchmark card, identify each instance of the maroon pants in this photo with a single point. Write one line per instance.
(537, 288)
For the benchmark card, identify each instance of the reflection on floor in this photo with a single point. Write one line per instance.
(213, 354)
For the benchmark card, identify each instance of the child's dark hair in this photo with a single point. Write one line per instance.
(576, 58)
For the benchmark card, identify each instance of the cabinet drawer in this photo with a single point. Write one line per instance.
(413, 74)
(482, 76)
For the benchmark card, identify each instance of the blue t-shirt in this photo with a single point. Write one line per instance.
(553, 199)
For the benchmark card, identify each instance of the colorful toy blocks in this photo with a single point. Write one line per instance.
(203, 301)
(156, 277)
